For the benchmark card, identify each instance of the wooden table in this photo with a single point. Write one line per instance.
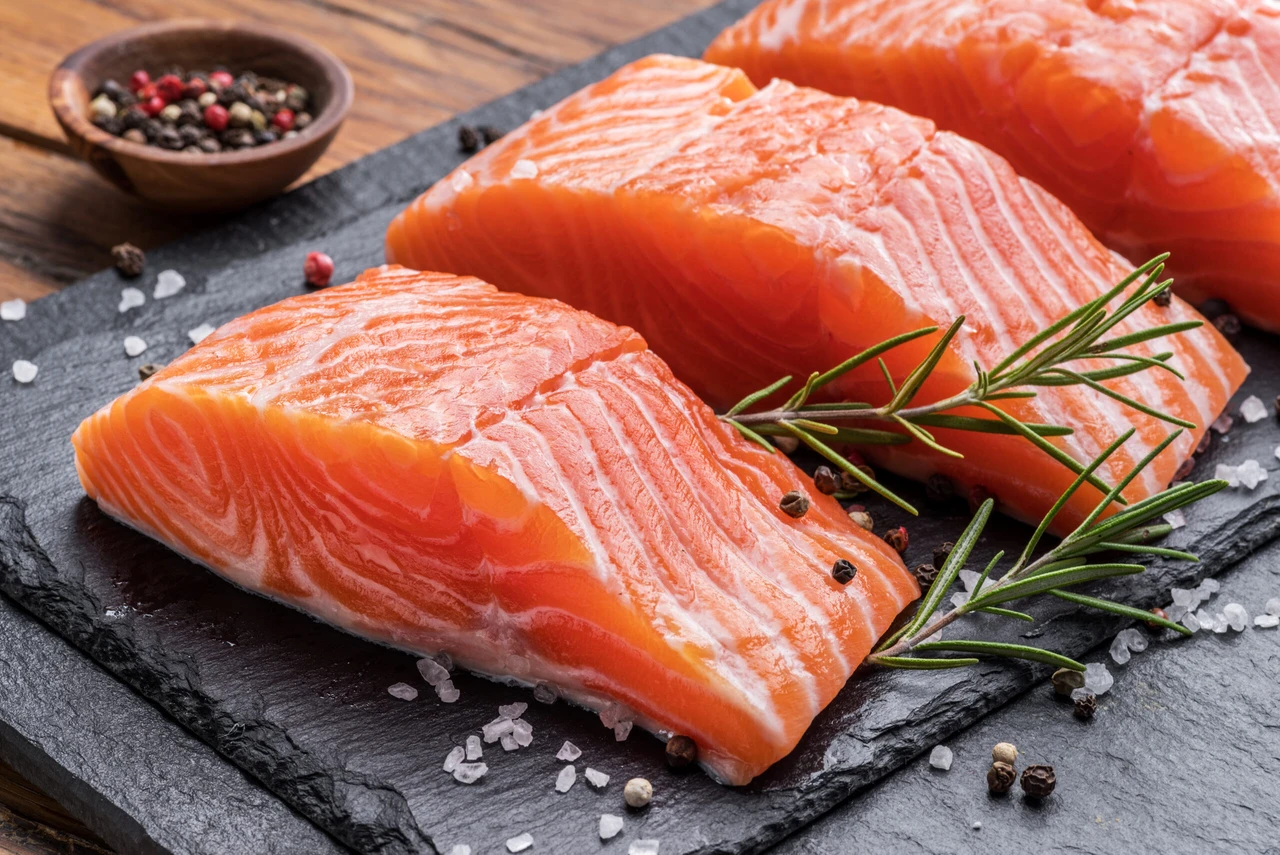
(415, 63)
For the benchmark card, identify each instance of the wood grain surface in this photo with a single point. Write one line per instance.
(415, 64)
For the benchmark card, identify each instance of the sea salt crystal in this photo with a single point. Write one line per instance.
(447, 692)
(1278, 452)
(1248, 474)
(1253, 410)
(509, 743)
(569, 752)
(566, 778)
(474, 749)
(444, 660)
(621, 731)
(643, 847)
(1135, 638)
(1119, 651)
(1266, 621)
(1191, 622)
(596, 778)
(524, 169)
(1097, 678)
(969, 578)
(1273, 606)
(432, 671)
(461, 180)
(940, 757)
(24, 372)
(610, 825)
(456, 755)
(130, 298)
(13, 310)
(134, 346)
(403, 691)
(522, 732)
(611, 714)
(200, 333)
(513, 711)
(1236, 616)
(520, 842)
(1209, 585)
(460, 849)
(545, 693)
(977, 825)
(1223, 423)
(168, 283)
(1175, 612)
(469, 773)
(1175, 519)
(959, 598)
(498, 728)
(1187, 597)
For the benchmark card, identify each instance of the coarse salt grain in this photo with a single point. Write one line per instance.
(403, 691)
(596, 778)
(1236, 615)
(569, 752)
(1252, 409)
(524, 169)
(508, 743)
(1176, 519)
(522, 732)
(610, 825)
(469, 773)
(940, 757)
(1266, 621)
(611, 714)
(969, 578)
(513, 711)
(1119, 651)
(1135, 638)
(131, 298)
(959, 598)
(447, 692)
(1097, 678)
(474, 749)
(24, 371)
(461, 180)
(13, 310)
(498, 728)
(520, 842)
(1272, 606)
(134, 346)
(455, 756)
(460, 849)
(621, 731)
(432, 671)
(643, 847)
(200, 333)
(1223, 423)
(168, 283)
(565, 779)
(545, 693)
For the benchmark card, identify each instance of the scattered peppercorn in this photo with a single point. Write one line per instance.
(1160, 613)
(134, 135)
(926, 575)
(1163, 298)
(939, 490)
(129, 260)
(977, 495)
(1038, 781)
(1005, 752)
(861, 518)
(1000, 778)
(138, 80)
(1184, 469)
(318, 269)
(148, 370)
(490, 134)
(1065, 681)
(849, 483)
(468, 139)
(638, 792)
(825, 480)
(301, 120)
(153, 106)
(682, 752)
(1086, 705)
(942, 553)
(897, 538)
(786, 444)
(794, 504)
(843, 571)
(1227, 324)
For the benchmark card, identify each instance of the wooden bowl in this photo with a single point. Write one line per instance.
(201, 182)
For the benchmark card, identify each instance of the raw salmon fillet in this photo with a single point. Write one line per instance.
(430, 463)
(750, 234)
(1154, 121)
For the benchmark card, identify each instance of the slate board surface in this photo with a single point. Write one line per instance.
(1181, 757)
(304, 708)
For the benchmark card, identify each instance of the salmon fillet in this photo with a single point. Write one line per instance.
(430, 463)
(750, 234)
(1153, 121)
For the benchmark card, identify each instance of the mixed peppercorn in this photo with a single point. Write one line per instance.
(201, 113)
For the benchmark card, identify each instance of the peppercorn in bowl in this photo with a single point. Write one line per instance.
(202, 116)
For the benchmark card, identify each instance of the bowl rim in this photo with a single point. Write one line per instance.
(68, 71)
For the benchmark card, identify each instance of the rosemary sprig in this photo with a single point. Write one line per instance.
(1063, 566)
(1042, 361)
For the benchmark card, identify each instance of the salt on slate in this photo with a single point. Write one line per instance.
(13, 310)
(569, 752)
(1191, 622)
(564, 780)
(611, 714)
(610, 825)
(24, 371)
(520, 842)
(522, 732)
(498, 728)
(447, 692)
(1135, 638)
(200, 333)
(545, 693)
(621, 731)
(1248, 474)
(1176, 519)
(403, 691)
(597, 779)
(1236, 615)
(524, 169)
(508, 743)
(1272, 606)
(469, 773)
(456, 755)
(130, 298)
(168, 283)
(1223, 423)
(432, 671)
(940, 757)
(513, 711)
(643, 847)
(460, 849)
(1119, 651)
(959, 598)
(1266, 621)
(969, 578)
(1253, 410)
(134, 346)
(1097, 678)
(474, 749)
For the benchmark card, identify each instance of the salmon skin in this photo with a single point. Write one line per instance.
(751, 234)
(1153, 121)
(430, 463)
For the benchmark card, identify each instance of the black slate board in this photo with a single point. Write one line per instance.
(1181, 757)
(303, 707)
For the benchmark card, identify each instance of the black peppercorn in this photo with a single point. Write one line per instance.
(265, 136)
(843, 571)
(825, 480)
(682, 752)
(897, 538)
(926, 575)
(1227, 324)
(489, 133)
(169, 138)
(190, 134)
(129, 260)
(977, 495)
(942, 553)
(794, 504)
(1038, 781)
(112, 89)
(133, 118)
(1163, 298)
(1000, 778)
(209, 145)
(850, 484)
(1086, 705)
(237, 138)
(939, 490)
(189, 113)
(468, 139)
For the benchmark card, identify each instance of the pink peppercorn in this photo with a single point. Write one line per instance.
(153, 105)
(169, 87)
(283, 119)
(221, 79)
(215, 117)
(137, 80)
(318, 268)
